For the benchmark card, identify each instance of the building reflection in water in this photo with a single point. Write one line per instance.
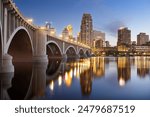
(124, 70)
(98, 64)
(143, 66)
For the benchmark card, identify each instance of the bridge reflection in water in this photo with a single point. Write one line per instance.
(92, 78)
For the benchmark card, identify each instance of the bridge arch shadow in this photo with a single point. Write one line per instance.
(81, 53)
(20, 46)
(53, 50)
(71, 52)
(87, 53)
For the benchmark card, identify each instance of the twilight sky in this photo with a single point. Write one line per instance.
(108, 15)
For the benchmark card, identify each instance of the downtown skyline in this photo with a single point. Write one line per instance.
(108, 15)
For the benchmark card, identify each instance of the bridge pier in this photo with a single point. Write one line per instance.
(82, 56)
(6, 65)
(40, 46)
(38, 83)
(5, 81)
(64, 56)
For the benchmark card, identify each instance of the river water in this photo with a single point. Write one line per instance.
(98, 78)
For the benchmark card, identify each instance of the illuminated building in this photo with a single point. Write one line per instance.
(52, 31)
(142, 50)
(98, 39)
(65, 34)
(68, 32)
(124, 36)
(123, 48)
(142, 38)
(86, 30)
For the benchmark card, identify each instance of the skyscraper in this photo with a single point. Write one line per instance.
(142, 38)
(124, 36)
(86, 30)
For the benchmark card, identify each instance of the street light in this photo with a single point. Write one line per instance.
(29, 20)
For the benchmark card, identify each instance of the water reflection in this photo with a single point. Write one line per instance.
(92, 78)
(143, 66)
(124, 70)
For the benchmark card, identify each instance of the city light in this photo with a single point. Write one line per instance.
(121, 82)
(60, 80)
(51, 86)
(29, 20)
(42, 27)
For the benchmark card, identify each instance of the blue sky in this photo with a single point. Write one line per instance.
(108, 15)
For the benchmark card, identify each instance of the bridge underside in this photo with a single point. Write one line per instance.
(0, 45)
(20, 48)
(81, 54)
(71, 53)
(53, 66)
(53, 51)
(87, 53)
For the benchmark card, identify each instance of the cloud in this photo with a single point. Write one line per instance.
(113, 27)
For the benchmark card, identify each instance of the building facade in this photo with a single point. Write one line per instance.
(124, 36)
(142, 38)
(65, 34)
(98, 39)
(86, 30)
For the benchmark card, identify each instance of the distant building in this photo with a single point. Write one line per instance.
(65, 34)
(123, 48)
(52, 31)
(142, 38)
(124, 36)
(144, 49)
(134, 43)
(98, 39)
(70, 31)
(79, 37)
(107, 44)
(86, 30)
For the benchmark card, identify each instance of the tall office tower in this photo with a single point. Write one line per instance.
(124, 36)
(86, 30)
(142, 38)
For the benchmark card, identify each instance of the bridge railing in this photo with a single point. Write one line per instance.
(74, 42)
(15, 8)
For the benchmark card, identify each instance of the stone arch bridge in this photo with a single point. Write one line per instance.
(20, 40)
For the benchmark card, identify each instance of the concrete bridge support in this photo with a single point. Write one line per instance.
(5, 81)
(40, 46)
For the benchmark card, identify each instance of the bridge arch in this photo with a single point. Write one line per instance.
(1, 43)
(81, 53)
(70, 47)
(54, 49)
(20, 45)
(87, 53)
(71, 52)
